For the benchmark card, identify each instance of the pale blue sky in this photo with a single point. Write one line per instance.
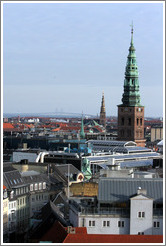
(61, 56)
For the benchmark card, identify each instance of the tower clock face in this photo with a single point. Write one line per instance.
(139, 109)
(126, 109)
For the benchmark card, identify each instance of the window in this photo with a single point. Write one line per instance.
(141, 214)
(91, 223)
(44, 185)
(36, 186)
(129, 121)
(137, 121)
(156, 224)
(106, 223)
(120, 223)
(31, 187)
(140, 233)
(122, 121)
(40, 186)
(141, 121)
(11, 194)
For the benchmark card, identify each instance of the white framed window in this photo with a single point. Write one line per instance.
(91, 223)
(11, 194)
(156, 224)
(121, 223)
(44, 185)
(40, 186)
(31, 187)
(36, 186)
(106, 223)
(141, 214)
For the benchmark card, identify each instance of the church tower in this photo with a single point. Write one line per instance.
(82, 133)
(131, 112)
(102, 112)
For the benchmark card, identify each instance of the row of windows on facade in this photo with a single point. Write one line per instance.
(21, 213)
(16, 181)
(130, 109)
(127, 133)
(22, 201)
(37, 186)
(139, 121)
(121, 223)
(39, 197)
(12, 205)
(25, 189)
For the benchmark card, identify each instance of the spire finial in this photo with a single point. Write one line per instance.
(131, 32)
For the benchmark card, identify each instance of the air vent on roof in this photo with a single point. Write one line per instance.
(71, 230)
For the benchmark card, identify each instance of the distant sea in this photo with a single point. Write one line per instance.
(49, 115)
(64, 115)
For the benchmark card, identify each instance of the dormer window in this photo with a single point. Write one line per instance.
(31, 187)
(11, 194)
(36, 186)
(40, 186)
(44, 185)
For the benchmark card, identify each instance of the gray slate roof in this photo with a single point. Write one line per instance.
(121, 189)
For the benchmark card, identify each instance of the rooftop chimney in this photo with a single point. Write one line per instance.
(141, 191)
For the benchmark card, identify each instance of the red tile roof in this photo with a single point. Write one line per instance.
(4, 187)
(56, 129)
(96, 238)
(7, 126)
(55, 234)
(58, 234)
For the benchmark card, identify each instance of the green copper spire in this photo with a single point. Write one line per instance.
(82, 133)
(131, 95)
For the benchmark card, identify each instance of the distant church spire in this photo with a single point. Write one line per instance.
(82, 133)
(102, 112)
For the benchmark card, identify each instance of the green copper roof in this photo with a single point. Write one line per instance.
(131, 95)
(82, 133)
